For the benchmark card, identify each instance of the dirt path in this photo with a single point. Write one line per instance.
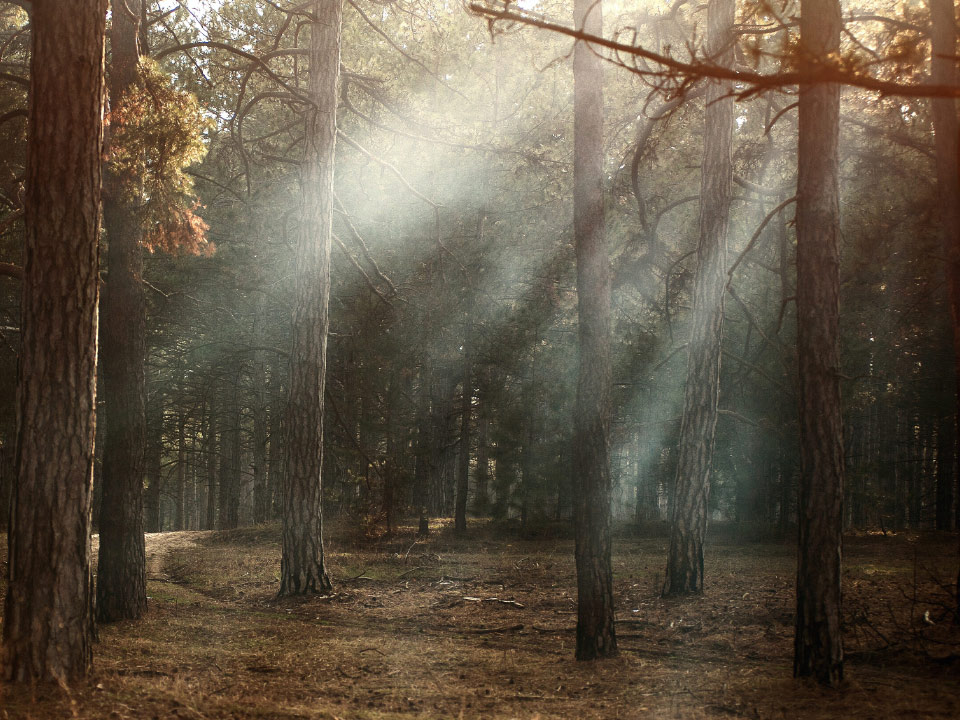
(158, 545)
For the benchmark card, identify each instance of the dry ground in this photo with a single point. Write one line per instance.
(484, 628)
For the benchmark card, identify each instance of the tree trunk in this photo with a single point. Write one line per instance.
(179, 509)
(943, 37)
(595, 628)
(302, 565)
(48, 622)
(818, 647)
(122, 570)
(698, 426)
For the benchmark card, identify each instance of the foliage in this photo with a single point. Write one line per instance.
(157, 132)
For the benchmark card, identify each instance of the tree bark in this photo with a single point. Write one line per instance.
(122, 570)
(595, 622)
(943, 37)
(302, 564)
(818, 647)
(48, 618)
(701, 397)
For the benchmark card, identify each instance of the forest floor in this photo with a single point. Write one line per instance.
(484, 628)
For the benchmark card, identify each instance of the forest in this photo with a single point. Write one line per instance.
(479, 359)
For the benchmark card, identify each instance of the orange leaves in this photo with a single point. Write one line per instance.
(157, 131)
(179, 231)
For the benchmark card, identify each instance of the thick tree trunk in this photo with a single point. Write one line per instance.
(591, 444)
(701, 397)
(944, 70)
(48, 617)
(122, 570)
(302, 565)
(212, 454)
(818, 647)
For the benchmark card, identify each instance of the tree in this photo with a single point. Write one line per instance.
(591, 446)
(943, 36)
(701, 396)
(48, 617)
(121, 570)
(818, 648)
(302, 564)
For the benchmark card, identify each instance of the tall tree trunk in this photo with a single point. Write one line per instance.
(818, 646)
(698, 426)
(48, 621)
(943, 37)
(595, 629)
(301, 564)
(122, 570)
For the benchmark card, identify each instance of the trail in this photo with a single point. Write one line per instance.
(158, 545)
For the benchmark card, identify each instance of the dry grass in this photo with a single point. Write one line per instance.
(413, 630)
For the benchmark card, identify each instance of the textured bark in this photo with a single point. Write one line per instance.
(701, 397)
(302, 564)
(48, 617)
(121, 569)
(818, 647)
(591, 444)
(944, 69)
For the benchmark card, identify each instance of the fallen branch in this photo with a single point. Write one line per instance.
(505, 629)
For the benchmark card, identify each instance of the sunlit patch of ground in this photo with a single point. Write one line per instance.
(484, 628)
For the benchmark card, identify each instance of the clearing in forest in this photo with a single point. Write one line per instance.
(484, 628)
